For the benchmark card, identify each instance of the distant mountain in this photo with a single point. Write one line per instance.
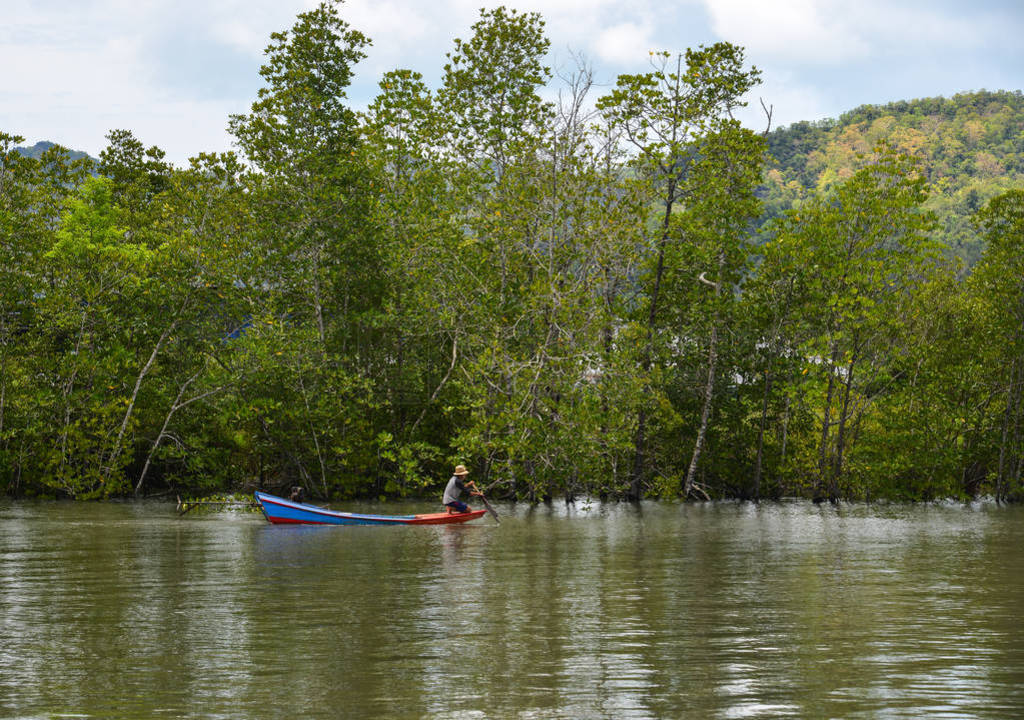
(39, 148)
(972, 146)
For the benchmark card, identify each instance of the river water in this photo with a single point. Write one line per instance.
(592, 611)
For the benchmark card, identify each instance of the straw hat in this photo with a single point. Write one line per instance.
(461, 470)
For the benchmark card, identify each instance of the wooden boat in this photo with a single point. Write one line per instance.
(279, 510)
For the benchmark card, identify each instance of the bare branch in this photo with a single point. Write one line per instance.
(444, 381)
(768, 112)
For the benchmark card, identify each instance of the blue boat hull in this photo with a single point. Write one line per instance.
(281, 511)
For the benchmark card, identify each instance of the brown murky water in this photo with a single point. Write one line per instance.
(601, 611)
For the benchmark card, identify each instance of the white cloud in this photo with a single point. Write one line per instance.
(86, 68)
(912, 30)
(788, 100)
(795, 30)
(817, 32)
(625, 43)
(403, 35)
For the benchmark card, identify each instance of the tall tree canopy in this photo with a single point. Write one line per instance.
(615, 297)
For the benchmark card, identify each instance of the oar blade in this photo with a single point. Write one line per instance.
(490, 509)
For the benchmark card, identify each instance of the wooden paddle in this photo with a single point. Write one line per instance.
(488, 506)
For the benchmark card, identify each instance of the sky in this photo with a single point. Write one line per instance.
(173, 71)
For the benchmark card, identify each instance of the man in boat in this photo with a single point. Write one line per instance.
(455, 488)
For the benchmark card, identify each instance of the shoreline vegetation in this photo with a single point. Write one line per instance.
(618, 295)
(243, 501)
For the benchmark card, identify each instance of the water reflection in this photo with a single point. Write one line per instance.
(731, 611)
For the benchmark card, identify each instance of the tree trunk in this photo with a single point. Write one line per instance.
(760, 436)
(837, 460)
(1009, 445)
(3, 372)
(639, 460)
(709, 386)
(175, 407)
(312, 432)
(115, 450)
(440, 386)
(785, 430)
(68, 388)
(709, 391)
(826, 424)
(640, 438)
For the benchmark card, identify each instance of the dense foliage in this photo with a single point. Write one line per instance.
(971, 147)
(570, 301)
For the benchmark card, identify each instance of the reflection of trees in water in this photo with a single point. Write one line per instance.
(711, 610)
(452, 541)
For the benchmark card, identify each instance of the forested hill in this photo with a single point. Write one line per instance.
(972, 146)
(37, 150)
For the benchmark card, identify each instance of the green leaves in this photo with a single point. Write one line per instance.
(490, 88)
(664, 110)
(570, 300)
(93, 240)
(300, 117)
(850, 262)
(998, 289)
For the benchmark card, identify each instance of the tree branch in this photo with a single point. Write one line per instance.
(703, 279)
